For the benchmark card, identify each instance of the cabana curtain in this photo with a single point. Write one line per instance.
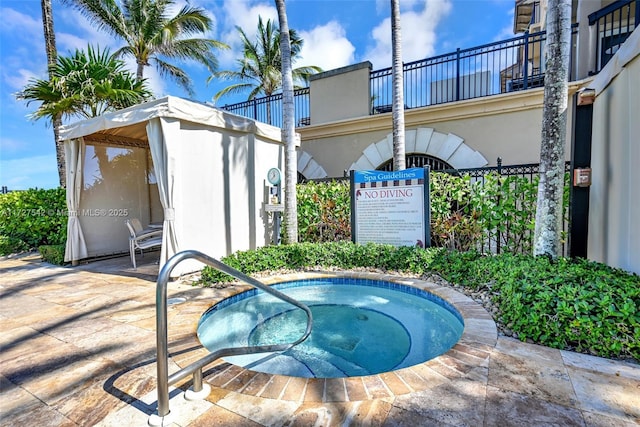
(159, 132)
(189, 143)
(74, 155)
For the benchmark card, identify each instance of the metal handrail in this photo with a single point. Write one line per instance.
(164, 380)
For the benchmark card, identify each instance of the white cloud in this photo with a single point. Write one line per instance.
(244, 15)
(418, 33)
(68, 43)
(85, 33)
(18, 79)
(11, 144)
(326, 46)
(504, 33)
(13, 20)
(23, 49)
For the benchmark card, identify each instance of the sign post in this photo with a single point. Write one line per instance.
(391, 207)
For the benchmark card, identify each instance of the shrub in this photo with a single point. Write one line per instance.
(11, 245)
(324, 211)
(454, 218)
(53, 254)
(496, 214)
(565, 303)
(36, 217)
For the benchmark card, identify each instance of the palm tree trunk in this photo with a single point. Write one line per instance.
(288, 129)
(52, 55)
(549, 209)
(397, 108)
(140, 71)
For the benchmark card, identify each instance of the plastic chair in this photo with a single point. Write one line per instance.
(141, 239)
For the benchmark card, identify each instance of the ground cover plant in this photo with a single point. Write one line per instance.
(32, 218)
(576, 305)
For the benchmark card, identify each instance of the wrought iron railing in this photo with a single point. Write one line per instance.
(500, 238)
(613, 24)
(506, 66)
(268, 109)
(511, 65)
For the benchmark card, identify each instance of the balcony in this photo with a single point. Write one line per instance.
(613, 25)
(507, 66)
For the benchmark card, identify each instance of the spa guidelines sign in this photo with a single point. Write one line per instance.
(391, 207)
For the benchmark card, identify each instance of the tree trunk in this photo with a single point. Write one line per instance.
(549, 209)
(288, 129)
(397, 108)
(52, 56)
(140, 71)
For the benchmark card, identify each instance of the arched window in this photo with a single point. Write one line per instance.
(417, 160)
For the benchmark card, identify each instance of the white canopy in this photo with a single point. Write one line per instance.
(209, 166)
(123, 122)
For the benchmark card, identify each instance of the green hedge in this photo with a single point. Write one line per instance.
(324, 211)
(12, 245)
(464, 214)
(33, 217)
(567, 304)
(53, 254)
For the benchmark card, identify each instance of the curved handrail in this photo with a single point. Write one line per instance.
(164, 380)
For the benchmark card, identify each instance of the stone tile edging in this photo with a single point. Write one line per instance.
(470, 354)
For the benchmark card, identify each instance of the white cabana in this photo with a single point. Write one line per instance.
(198, 170)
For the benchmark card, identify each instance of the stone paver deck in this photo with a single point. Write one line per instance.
(77, 347)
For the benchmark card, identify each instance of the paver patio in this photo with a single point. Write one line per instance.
(78, 348)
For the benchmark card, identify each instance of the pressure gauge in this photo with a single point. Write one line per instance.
(274, 176)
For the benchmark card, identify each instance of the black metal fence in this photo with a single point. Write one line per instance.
(500, 238)
(506, 66)
(613, 25)
(268, 109)
(511, 65)
(526, 170)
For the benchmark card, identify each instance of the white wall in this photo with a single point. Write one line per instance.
(219, 189)
(614, 205)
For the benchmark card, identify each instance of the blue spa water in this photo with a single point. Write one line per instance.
(361, 327)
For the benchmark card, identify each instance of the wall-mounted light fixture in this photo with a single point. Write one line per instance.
(586, 96)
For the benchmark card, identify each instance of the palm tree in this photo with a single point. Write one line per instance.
(151, 36)
(549, 209)
(84, 85)
(288, 128)
(397, 108)
(52, 55)
(260, 69)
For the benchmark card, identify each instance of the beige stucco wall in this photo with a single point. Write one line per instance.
(343, 93)
(614, 206)
(506, 126)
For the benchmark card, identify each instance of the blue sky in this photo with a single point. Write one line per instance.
(336, 33)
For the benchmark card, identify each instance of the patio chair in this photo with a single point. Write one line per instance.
(137, 226)
(141, 239)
